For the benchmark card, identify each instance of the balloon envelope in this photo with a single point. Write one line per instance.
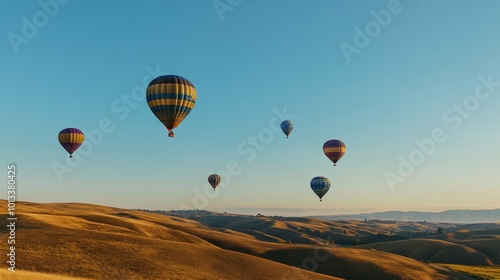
(171, 98)
(287, 127)
(320, 186)
(214, 180)
(71, 139)
(334, 150)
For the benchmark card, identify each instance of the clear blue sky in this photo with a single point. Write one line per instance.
(245, 62)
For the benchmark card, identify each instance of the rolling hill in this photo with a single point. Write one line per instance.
(436, 251)
(98, 242)
(486, 241)
(301, 230)
(450, 216)
(466, 247)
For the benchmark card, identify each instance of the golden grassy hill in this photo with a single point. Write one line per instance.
(106, 243)
(99, 242)
(489, 247)
(350, 263)
(469, 233)
(477, 272)
(305, 230)
(22, 274)
(430, 250)
(341, 262)
(486, 241)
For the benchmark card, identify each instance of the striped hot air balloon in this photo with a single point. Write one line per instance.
(171, 98)
(71, 139)
(320, 186)
(334, 150)
(287, 127)
(214, 180)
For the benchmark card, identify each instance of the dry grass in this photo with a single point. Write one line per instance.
(75, 240)
(431, 250)
(468, 233)
(467, 247)
(351, 263)
(306, 230)
(479, 272)
(490, 247)
(98, 242)
(23, 275)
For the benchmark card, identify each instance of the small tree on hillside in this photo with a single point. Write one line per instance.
(440, 230)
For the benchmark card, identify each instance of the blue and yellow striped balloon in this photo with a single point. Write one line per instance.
(71, 139)
(320, 186)
(334, 150)
(171, 98)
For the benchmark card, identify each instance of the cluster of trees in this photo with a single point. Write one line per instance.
(395, 221)
(182, 213)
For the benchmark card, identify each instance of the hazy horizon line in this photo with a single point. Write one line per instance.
(304, 212)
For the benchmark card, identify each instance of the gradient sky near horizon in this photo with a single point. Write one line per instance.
(258, 58)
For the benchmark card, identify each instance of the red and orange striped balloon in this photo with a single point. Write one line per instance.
(334, 150)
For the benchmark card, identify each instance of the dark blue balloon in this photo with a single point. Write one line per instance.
(320, 185)
(287, 127)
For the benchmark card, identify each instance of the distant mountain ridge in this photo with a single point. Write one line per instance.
(449, 216)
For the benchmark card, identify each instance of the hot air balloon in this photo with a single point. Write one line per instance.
(71, 139)
(171, 98)
(214, 180)
(287, 127)
(334, 150)
(320, 185)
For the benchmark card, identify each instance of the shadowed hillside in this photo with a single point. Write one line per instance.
(486, 241)
(106, 243)
(437, 251)
(357, 264)
(100, 242)
(477, 247)
(298, 230)
(467, 247)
